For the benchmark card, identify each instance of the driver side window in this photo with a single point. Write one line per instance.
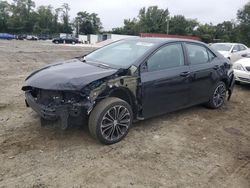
(169, 56)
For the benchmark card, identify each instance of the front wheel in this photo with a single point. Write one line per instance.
(110, 120)
(218, 96)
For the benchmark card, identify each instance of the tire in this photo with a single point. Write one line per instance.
(218, 96)
(105, 124)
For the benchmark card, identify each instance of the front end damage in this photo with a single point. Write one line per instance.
(74, 107)
(57, 105)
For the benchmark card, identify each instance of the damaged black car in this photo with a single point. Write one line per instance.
(129, 80)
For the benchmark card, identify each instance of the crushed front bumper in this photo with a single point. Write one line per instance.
(63, 112)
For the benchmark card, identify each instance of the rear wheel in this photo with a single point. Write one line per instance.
(218, 96)
(110, 120)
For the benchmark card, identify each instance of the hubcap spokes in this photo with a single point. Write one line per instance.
(115, 122)
(219, 95)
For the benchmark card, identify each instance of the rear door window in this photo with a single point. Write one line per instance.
(198, 54)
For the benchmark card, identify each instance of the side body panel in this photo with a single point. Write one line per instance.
(164, 91)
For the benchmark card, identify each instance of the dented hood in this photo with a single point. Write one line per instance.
(69, 75)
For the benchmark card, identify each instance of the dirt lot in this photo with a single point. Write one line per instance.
(196, 147)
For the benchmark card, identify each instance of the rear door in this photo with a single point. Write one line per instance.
(165, 81)
(204, 68)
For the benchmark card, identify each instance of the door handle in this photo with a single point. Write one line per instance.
(216, 67)
(185, 74)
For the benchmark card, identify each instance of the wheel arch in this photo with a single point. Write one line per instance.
(226, 82)
(126, 95)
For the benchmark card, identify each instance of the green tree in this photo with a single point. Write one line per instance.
(243, 16)
(131, 27)
(206, 32)
(4, 15)
(56, 26)
(45, 20)
(179, 25)
(153, 20)
(65, 17)
(226, 32)
(21, 19)
(87, 23)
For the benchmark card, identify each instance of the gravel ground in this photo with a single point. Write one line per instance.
(195, 147)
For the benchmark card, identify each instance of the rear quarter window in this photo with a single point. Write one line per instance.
(242, 48)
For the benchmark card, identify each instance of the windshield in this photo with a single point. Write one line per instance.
(120, 54)
(222, 47)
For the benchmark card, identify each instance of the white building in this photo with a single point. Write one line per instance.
(113, 37)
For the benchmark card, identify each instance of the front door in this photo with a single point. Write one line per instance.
(166, 81)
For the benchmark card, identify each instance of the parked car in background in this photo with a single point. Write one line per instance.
(242, 69)
(65, 40)
(44, 37)
(31, 37)
(7, 36)
(21, 37)
(128, 80)
(232, 51)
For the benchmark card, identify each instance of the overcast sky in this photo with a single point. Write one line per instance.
(113, 12)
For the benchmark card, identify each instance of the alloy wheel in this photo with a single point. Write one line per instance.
(115, 122)
(219, 95)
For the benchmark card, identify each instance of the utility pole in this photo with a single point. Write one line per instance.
(167, 27)
(78, 28)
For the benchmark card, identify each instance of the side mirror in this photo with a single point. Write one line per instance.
(234, 51)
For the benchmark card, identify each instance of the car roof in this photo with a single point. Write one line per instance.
(161, 40)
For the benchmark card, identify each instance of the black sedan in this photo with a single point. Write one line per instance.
(65, 40)
(129, 80)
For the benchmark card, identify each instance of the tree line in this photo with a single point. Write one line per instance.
(156, 20)
(22, 16)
